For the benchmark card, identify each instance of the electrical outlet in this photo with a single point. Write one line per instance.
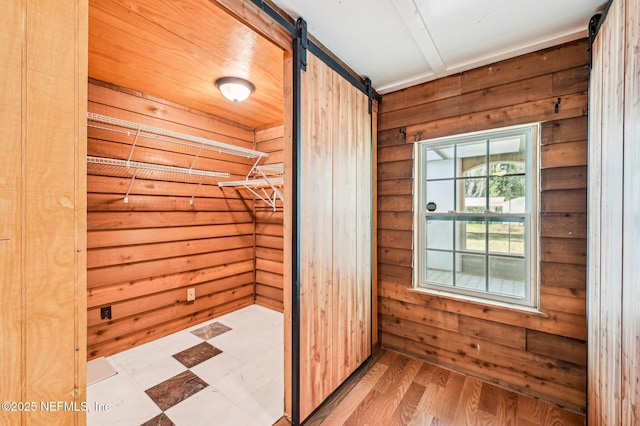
(105, 313)
(191, 294)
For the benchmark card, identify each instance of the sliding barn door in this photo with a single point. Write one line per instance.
(335, 219)
(614, 219)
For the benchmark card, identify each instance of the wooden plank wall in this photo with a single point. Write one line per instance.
(43, 86)
(269, 230)
(335, 232)
(614, 228)
(543, 355)
(144, 254)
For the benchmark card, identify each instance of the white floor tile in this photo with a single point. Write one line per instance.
(199, 325)
(240, 384)
(203, 408)
(246, 381)
(235, 416)
(177, 342)
(240, 344)
(271, 362)
(99, 369)
(148, 365)
(127, 403)
(266, 404)
(216, 368)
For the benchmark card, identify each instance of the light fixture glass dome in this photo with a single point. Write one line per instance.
(235, 89)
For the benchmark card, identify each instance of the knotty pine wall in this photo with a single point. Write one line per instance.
(543, 355)
(43, 96)
(269, 230)
(144, 254)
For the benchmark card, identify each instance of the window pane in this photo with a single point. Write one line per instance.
(506, 276)
(471, 235)
(472, 159)
(507, 236)
(507, 155)
(471, 272)
(507, 194)
(506, 168)
(440, 162)
(472, 195)
(478, 227)
(439, 267)
(439, 233)
(440, 192)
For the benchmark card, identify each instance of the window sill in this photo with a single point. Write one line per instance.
(481, 302)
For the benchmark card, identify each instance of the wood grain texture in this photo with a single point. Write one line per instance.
(565, 201)
(177, 49)
(564, 178)
(568, 130)
(145, 253)
(269, 230)
(542, 110)
(630, 287)
(136, 338)
(611, 229)
(394, 389)
(102, 95)
(427, 92)
(12, 316)
(557, 347)
(336, 218)
(511, 92)
(253, 16)
(563, 225)
(43, 193)
(553, 59)
(596, 404)
(288, 243)
(374, 225)
(614, 395)
(564, 155)
(505, 94)
(315, 249)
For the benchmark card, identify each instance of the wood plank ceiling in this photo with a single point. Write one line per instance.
(176, 49)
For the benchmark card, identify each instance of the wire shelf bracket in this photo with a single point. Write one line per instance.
(263, 182)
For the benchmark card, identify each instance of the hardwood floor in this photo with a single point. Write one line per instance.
(395, 389)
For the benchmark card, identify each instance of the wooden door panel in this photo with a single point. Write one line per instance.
(335, 219)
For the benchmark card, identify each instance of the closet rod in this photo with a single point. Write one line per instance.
(159, 134)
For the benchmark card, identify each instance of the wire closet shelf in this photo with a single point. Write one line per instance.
(263, 182)
(259, 179)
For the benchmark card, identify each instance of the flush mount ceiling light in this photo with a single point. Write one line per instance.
(235, 89)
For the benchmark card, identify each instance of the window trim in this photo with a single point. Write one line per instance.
(532, 299)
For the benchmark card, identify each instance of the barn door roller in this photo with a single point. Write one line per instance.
(301, 26)
(299, 31)
(593, 31)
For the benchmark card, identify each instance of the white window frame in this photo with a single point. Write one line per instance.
(532, 288)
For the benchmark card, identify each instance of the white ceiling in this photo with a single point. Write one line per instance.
(400, 43)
